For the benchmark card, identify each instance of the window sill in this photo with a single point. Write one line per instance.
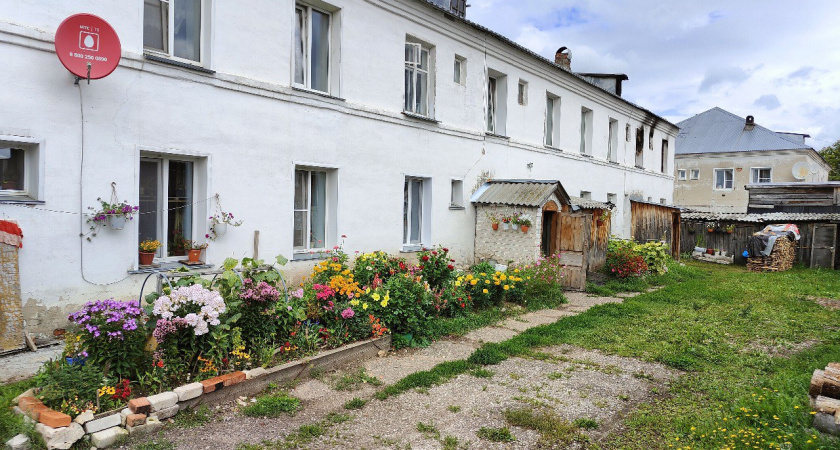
(420, 117)
(307, 256)
(19, 200)
(166, 266)
(414, 248)
(498, 136)
(318, 93)
(456, 208)
(553, 148)
(181, 64)
(585, 155)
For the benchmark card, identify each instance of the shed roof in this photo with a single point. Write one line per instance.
(519, 192)
(763, 218)
(720, 131)
(586, 203)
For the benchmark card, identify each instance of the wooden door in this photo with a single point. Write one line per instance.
(11, 318)
(572, 238)
(823, 245)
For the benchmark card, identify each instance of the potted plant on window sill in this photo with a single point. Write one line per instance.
(219, 224)
(525, 222)
(179, 245)
(147, 251)
(194, 251)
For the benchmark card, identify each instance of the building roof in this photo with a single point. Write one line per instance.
(795, 184)
(585, 203)
(763, 218)
(519, 192)
(720, 131)
(539, 57)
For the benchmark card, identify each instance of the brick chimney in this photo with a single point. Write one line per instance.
(563, 58)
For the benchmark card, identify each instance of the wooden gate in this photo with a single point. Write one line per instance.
(823, 245)
(572, 233)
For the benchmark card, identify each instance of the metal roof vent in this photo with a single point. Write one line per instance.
(750, 124)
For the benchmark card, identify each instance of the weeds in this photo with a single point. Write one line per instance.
(554, 430)
(355, 403)
(272, 405)
(353, 381)
(194, 417)
(495, 434)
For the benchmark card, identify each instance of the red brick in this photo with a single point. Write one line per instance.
(34, 410)
(234, 378)
(140, 406)
(213, 383)
(133, 420)
(54, 419)
(23, 402)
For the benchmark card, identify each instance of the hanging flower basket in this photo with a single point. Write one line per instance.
(116, 222)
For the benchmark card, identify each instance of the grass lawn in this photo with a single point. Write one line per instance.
(747, 342)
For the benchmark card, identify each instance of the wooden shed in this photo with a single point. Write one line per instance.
(601, 217)
(655, 222)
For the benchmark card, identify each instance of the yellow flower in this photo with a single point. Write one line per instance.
(486, 291)
(384, 303)
(375, 297)
(364, 305)
(458, 282)
(516, 270)
(367, 291)
(387, 296)
(486, 281)
(354, 302)
(473, 282)
(507, 287)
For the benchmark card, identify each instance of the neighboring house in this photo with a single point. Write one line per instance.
(719, 153)
(311, 120)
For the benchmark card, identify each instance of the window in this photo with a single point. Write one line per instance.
(310, 221)
(662, 201)
(496, 102)
(552, 117)
(174, 28)
(640, 147)
(627, 132)
(457, 198)
(724, 178)
(681, 174)
(612, 144)
(664, 166)
(695, 174)
(460, 75)
(312, 48)
(417, 63)
(491, 104)
(12, 171)
(167, 204)
(414, 212)
(612, 198)
(522, 93)
(585, 131)
(761, 175)
(586, 195)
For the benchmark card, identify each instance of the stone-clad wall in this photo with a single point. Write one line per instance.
(504, 246)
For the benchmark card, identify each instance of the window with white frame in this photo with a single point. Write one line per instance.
(168, 199)
(522, 92)
(414, 211)
(552, 116)
(174, 28)
(681, 174)
(418, 96)
(21, 170)
(585, 131)
(457, 194)
(695, 174)
(761, 175)
(724, 179)
(492, 93)
(12, 171)
(664, 161)
(612, 143)
(312, 47)
(496, 107)
(310, 210)
(460, 70)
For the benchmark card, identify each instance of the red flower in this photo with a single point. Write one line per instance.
(160, 363)
(445, 249)
(463, 305)
(450, 267)
(434, 252)
(425, 257)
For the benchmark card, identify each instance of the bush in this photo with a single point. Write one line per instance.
(655, 255)
(625, 263)
(70, 389)
(111, 335)
(436, 267)
(406, 311)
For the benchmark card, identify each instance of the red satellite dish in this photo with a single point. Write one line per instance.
(87, 46)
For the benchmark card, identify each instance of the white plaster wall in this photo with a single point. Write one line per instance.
(249, 129)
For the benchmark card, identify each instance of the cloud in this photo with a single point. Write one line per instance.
(768, 101)
(724, 75)
(803, 72)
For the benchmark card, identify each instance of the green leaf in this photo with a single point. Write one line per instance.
(230, 263)
(282, 260)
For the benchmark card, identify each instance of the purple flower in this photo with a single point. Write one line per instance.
(348, 313)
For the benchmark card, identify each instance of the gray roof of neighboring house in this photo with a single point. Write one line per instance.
(763, 218)
(519, 192)
(589, 204)
(719, 131)
(541, 58)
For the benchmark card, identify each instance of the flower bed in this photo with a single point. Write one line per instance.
(200, 336)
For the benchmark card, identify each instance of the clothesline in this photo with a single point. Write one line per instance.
(95, 214)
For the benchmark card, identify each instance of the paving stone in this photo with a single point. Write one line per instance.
(162, 401)
(516, 325)
(84, 417)
(490, 334)
(152, 424)
(140, 405)
(54, 419)
(114, 420)
(60, 438)
(19, 442)
(189, 391)
(108, 438)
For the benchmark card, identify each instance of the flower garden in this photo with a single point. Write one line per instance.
(198, 329)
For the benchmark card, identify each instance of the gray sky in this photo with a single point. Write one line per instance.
(776, 60)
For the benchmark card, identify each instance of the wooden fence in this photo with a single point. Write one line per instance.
(652, 222)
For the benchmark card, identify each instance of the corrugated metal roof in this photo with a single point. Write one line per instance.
(519, 192)
(719, 131)
(589, 204)
(763, 218)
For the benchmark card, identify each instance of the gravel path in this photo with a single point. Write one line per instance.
(574, 383)
(23, 365)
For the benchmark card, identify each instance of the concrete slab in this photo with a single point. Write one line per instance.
(490, 334)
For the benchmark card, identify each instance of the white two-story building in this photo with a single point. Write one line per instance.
(310, 121)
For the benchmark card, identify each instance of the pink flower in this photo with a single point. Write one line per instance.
(348, 313)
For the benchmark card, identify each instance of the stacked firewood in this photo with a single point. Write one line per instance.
(825, 398)
(780, 259)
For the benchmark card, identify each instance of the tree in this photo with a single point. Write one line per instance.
(831, 155)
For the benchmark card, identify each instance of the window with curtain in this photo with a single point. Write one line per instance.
(166, 204)
(417, 61)
(174, 28)
(312, 48)
(310, 210)
(761, 175)
(413, 211)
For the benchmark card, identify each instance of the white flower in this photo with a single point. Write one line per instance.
(211, 306)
